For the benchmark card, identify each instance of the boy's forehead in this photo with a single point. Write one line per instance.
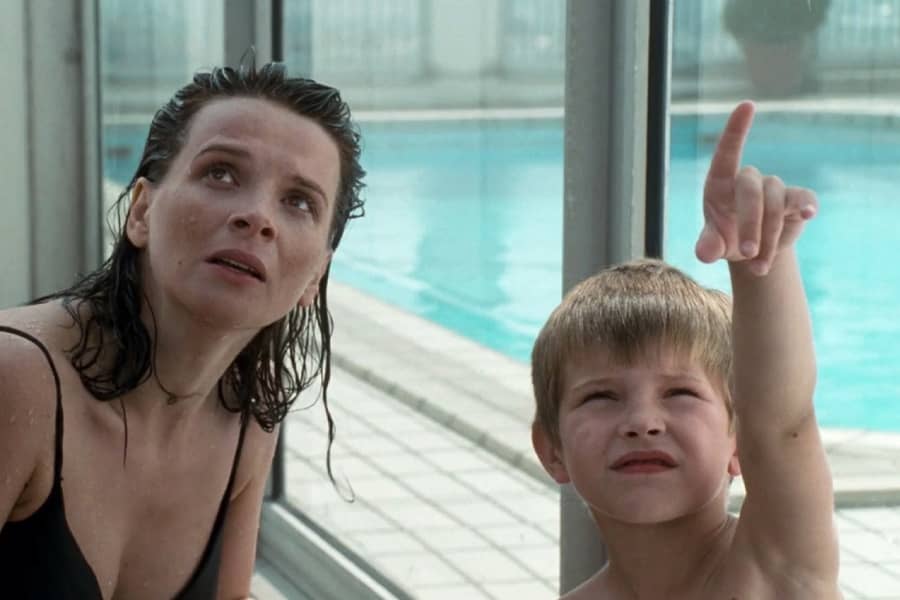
(599, 361)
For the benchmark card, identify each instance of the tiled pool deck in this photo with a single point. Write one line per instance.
(433, 435)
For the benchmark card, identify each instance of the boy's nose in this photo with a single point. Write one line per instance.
(640, 424)
(637, 432)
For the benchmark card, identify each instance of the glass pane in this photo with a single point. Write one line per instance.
(148, 49)
(439, 291)
(825, 79)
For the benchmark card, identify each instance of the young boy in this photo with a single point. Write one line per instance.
(650, 388)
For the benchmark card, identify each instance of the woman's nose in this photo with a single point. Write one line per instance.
(251, 223)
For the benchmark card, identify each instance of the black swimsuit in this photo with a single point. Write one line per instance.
(40, 558)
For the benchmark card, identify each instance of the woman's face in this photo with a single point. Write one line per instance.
(236, 233)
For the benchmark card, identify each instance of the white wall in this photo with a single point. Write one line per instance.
(15, 238)
(48, 222)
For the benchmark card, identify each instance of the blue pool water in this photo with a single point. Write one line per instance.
(464, 228)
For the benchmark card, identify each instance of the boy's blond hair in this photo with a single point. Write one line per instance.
(629, 310)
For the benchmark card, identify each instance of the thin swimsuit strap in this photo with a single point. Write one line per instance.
(203, 583)
(58, 458)
(31, 569)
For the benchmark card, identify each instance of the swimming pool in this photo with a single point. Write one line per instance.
(464, 228)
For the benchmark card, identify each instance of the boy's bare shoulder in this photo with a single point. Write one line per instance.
(745, 571)
(592, 588)
(739, 573)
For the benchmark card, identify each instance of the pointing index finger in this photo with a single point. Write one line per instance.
(726, 160)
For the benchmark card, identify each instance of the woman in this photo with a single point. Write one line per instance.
(138, 408)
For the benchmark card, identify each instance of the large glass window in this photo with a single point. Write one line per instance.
(148, 49)
(829, 123)
(438, 292)
(826, 81)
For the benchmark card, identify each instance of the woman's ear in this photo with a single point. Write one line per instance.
(312, 289)
(137, 225)
(549, 454)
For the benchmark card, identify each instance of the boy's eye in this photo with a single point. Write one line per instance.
(601, 395)
(681, 392)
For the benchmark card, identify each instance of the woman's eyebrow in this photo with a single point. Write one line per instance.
(305, 182)
(226, 148)
(236, 150)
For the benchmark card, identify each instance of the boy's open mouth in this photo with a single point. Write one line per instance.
(644, 461)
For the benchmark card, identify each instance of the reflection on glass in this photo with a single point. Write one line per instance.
(147, 49)
(824, 76)
(439, 291)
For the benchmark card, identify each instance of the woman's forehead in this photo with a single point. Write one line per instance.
(251, 117)
(269, 132)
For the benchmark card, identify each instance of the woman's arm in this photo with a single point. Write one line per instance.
(242, 522)
(27, 411)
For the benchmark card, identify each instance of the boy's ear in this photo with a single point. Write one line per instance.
(312, 289)
(549, 454)
(137, 227)
(734, 465)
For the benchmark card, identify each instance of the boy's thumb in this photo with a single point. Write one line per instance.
(710, 246)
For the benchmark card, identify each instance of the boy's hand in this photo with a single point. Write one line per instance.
(749, 216)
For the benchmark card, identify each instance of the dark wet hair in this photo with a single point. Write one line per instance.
(285, 357)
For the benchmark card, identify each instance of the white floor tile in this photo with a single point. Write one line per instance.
(487, 566)
(871, 581)
(525, 590)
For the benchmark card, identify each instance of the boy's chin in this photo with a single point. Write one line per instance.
(652, 512)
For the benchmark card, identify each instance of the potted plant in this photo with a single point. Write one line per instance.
(778, 40)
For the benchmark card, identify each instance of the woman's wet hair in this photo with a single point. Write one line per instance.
(116, 352)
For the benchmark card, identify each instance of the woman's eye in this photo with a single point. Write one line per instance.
(300, 203)
(220, 174)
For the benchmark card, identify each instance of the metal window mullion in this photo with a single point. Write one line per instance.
(604, 179)
(62, 146)
(92, 230)
(247, 24)
(659, 72)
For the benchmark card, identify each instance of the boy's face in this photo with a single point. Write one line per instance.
(642, 443)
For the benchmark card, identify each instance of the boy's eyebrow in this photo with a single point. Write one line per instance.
(592, 381)
(600, 380)
(682, 376)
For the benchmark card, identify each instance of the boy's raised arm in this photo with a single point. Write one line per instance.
(752, 221)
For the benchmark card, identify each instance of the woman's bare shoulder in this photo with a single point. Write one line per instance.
(22, 362)
(256, 455)
(27, 399)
